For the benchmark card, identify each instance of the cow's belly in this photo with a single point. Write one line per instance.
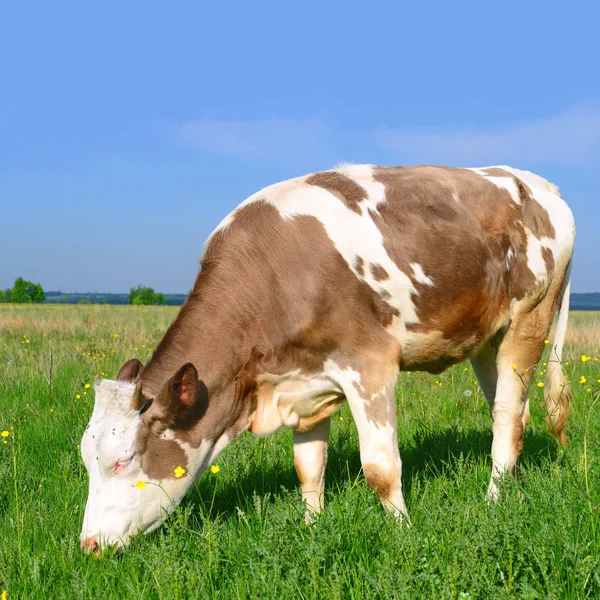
(437, 344)
(433, 353)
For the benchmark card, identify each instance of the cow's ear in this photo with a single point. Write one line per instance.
(131, 371)
(178, 398)
(245, 380)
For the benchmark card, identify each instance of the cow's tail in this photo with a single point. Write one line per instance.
(558, 393)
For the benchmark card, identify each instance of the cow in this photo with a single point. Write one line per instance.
(322, 289)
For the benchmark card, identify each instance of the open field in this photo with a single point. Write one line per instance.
(240, 533)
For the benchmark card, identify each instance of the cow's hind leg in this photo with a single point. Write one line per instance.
(310, 459)
(517, 357)
(370, 395)
(485, 367)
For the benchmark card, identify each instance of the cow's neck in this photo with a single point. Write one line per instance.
(215, 330)
(199, 335)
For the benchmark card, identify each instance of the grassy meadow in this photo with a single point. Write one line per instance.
(240, 533)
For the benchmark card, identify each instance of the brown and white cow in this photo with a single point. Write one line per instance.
(322, 289)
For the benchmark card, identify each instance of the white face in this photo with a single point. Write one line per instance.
(122, 499)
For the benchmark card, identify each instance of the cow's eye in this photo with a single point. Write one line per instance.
(122, 464)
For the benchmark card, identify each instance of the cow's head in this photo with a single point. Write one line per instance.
(139, 460)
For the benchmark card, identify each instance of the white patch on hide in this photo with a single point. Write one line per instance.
(505, 183)
(352, 234)
(419, 274)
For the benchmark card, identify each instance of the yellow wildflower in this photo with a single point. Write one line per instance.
(583, 379)
(27, 341)
(214, 469)
(4, 595)
(540, 384)
(77, 396)
(588, 389)
(5, 434)
(546, 341)
(341, 418)
(567, 363)
(514, 367)
(87, 386)
(140, 484)
(543, 364)
(179, 471)
(585, 358)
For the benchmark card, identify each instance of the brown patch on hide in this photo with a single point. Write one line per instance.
(522, 280)
(344, 188)
(379, 273)
(359, 266)
(548, 260)
(380, 481)
(535, 216)
(384, 311)
(159, 457)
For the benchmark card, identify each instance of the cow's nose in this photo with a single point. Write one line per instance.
(90, 545)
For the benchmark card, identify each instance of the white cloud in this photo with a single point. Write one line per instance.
(571, 137)
(272, 140)
(568, 138)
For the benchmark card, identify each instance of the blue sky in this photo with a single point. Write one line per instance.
(128, 130)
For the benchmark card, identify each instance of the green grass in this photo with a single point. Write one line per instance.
(240, 533)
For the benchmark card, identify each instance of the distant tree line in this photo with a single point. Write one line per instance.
(58, 297)
(145, 295)
(23, 292)
(27, 292)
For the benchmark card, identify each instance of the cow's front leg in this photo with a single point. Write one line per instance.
(370, 395)
(310, 459)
